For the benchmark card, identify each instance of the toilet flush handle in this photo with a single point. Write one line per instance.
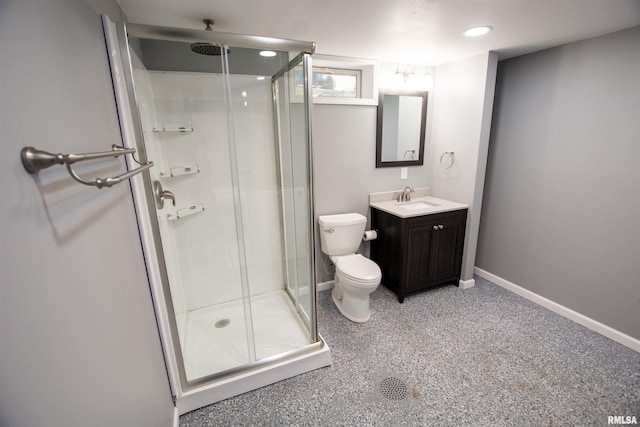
(329, 230)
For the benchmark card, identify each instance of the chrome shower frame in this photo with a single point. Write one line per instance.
(189, 395)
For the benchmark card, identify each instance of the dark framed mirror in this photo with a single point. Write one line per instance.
(402, 119)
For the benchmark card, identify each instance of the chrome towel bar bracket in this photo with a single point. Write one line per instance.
(35, 160)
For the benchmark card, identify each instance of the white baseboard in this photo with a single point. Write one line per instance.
(324, 286)
(466, 284)
(176, 417)
(583, 320)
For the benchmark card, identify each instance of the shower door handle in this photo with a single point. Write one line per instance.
(161, 194)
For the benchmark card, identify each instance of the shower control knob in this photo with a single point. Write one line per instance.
(161, 194)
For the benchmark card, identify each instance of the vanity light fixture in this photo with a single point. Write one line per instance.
(260, 78)
(477, 31)
(404, 74)
(267, 53)
(408, 77)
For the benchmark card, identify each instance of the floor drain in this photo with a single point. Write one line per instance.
(394, 388)
(222, 323)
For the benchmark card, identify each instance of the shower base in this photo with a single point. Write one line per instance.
(216, 337)
(210, 349)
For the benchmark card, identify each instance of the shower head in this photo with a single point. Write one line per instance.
(203, 48)
(207, 49)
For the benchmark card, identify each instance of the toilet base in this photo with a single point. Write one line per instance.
(353, 310)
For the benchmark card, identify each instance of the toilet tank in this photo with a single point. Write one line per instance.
(341, 234)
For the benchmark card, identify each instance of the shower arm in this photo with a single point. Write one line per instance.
(35, 160)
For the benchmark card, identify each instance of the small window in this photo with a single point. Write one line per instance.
(331, 82)
(339, 80)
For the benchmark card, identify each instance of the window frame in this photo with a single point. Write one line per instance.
(368, 85)
(335, 71)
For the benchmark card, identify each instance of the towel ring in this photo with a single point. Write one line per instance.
(447, 159)
(412, 152)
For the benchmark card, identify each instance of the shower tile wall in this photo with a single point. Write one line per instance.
(196, 99)
(148, 118)
(211, 272)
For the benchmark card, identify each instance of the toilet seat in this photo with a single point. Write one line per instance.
(358, 269)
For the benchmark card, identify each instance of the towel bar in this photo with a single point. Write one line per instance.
(35, 160)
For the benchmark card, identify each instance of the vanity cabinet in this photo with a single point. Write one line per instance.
(419, 252)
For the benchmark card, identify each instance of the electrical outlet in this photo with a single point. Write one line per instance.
(404, 172)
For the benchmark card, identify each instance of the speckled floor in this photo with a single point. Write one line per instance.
(481, 356)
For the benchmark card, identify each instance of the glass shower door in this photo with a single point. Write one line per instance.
(222, 213)
(194, 187)
(291, 102)
(270, 168)
(230, 200)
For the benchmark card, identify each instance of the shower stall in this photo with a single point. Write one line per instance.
(226, 214)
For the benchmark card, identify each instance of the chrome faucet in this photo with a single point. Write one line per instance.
(406, 194)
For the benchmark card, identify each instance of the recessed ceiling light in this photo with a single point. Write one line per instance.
(268, 53)
(477, 31)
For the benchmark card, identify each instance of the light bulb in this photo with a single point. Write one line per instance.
(477, 31)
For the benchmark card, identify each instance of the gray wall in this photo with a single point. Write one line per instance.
(79, 343)
(344, 162)
(562, 196)
(464, 92)
(344, 143)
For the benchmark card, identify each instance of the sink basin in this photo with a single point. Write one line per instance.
(412, 206)
(419, 205)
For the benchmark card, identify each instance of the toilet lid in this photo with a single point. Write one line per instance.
(359, 268)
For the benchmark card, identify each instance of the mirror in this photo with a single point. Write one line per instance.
(402, 118)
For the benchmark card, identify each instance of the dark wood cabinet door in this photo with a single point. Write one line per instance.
(419, 252)
(446, 258)
(420, 245)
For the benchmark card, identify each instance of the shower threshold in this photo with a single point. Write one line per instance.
(269, 371)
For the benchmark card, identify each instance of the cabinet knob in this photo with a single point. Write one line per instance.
(435, 227)
(440, 226)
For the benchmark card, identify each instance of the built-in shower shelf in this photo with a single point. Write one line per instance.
(175, 127)
(185, 212)
(180, 170)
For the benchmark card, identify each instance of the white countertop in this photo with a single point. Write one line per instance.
(420, 204)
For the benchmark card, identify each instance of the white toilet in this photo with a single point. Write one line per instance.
(356, 276)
